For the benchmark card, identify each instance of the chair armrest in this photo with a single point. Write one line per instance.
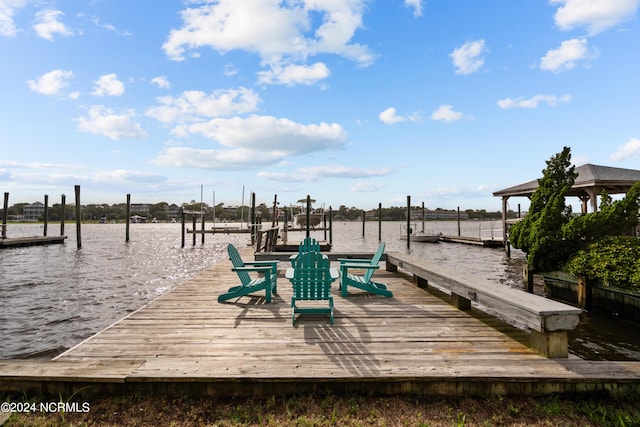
(353, 260)
(262, 263)
(334, 273)
(347, 265)
(289, 273)
(249, 268)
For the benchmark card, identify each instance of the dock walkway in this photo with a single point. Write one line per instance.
(187, 342)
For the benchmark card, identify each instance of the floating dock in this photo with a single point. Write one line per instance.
(221, 230)
(493, 243)
(186, 343)
(31, 241)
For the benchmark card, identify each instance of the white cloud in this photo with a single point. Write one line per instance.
(626, 151)
(291, 74)
(567, 55)
(7, 10)
(315, 173)
(47, 24)
(108, 85)
(51, 83)
(533, 102)
(281, 33)
(267, 133)
(123, 176)
(333, 171)
(253, 142)
(103, 121)
(162, 82)
(37, 165)
(390, 117)
(230, 70)
(416, 5)
(468, 59)
(285, 177)
(196, 105)
(366, 187)
(595, 15)
(446, 113)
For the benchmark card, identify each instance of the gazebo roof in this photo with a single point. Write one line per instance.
(591, 179)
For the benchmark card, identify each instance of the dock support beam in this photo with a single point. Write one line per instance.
(550, 344)
(78, 218)
(5, 215)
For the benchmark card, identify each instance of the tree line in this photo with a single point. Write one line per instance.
(159, 211)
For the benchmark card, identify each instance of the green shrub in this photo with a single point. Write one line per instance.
(612, 261)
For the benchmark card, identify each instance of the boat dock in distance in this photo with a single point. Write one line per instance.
(17, 242)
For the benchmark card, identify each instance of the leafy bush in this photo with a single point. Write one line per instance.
(613, 219)
(612, 261)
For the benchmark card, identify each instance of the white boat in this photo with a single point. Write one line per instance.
(315, 216)
(421, 236)
(428, 238)
(314, 219)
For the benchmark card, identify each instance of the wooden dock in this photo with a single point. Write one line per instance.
(185, 342)
(489, 243)
(16, 242)
(221, 230)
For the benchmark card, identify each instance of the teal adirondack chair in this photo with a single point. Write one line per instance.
(309, 244)
(248, 284)
(311, 278)
(363, 282)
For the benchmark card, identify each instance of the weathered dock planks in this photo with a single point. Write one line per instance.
(187, 342)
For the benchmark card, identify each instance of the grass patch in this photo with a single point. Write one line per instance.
(337, 410)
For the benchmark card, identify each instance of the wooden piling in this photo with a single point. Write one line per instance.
(253, 226)
(46, 214)
(128, 220)
(193, 227)
(201, 227)
(330, 225)
(5, 215)
(183, 226)
(275, 210)
(308, 214)
(408, 222)
(324, 224)
(379, 222)
(63, 214)
(78, 218)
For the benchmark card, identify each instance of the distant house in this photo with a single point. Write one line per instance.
(33, 212)
(172, 211)
(138, 210)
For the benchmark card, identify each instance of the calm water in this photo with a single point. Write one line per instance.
(55, 296)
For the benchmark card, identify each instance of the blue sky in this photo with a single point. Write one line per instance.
(354, 102)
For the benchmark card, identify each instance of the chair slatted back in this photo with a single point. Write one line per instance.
(236, 261)
(312, 278)
(309, 244)
(374, 261)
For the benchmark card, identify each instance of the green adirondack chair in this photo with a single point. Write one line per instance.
(248, 285)
(309, 244)
(363, 282)
(311, 278)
